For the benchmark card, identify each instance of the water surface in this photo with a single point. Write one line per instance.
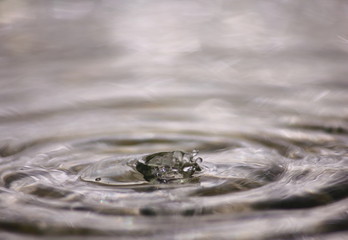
(259, 88)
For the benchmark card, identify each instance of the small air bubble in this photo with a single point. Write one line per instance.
(98, 179)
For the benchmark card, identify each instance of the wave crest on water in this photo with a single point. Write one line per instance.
(249, 180)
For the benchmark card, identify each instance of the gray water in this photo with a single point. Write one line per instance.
(258, 87)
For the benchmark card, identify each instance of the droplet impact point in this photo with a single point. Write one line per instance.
(164, 167)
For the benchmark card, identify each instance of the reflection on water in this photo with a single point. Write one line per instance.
(89, 90)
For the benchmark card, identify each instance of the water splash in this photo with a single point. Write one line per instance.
(161, 167)
(168, 166)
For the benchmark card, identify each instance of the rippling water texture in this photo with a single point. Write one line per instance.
(87, 88)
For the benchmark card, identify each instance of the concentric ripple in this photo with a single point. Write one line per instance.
(244, 181)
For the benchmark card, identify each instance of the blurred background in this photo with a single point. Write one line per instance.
(135, 66)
